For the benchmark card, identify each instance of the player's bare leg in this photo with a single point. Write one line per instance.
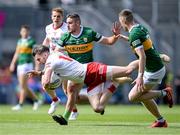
(24, 90)
(55, 101)
(147, 99)
(122, 80)
(123, 71)
(95, 101)
(99, 100)
(72, 93)
(74, 113)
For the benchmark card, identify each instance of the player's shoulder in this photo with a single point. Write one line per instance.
(49, 27)
(138, 28)
(30, 38)
(52, 57)
(65, 35)
(87, 28)
(56, 54)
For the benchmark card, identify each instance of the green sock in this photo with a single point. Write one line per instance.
(66, 114)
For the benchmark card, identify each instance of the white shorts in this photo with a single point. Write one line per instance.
(24, 68)
(108, 85)
(154, 78)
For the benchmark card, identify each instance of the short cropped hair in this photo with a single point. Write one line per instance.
(39, 49)
(25, 26)
(59, 10)
(74, 16)
(127, 14)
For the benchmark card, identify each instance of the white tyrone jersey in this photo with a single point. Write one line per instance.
(55, 34)
(67, 68)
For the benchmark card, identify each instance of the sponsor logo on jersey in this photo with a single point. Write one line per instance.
(85, 39)
(82, 48)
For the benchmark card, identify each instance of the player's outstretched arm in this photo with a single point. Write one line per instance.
(34, 73)
(165, 58)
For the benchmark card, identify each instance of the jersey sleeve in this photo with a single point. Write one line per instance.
(32, 42)
(135, 39)
(96, 36)
(63, 39)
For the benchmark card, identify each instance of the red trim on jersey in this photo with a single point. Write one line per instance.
(58, 26)
(95, 75)
(65, 58)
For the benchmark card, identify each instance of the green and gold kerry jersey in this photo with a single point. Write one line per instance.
(24, 47)
(138, 37)
(80, 47)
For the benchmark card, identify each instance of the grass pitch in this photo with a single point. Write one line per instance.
(117, 120)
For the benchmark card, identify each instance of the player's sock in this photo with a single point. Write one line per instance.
(163, 93)
(35, 100)
(160, 119)
(20, 104)
(55, 99)
(74, 110)
(66, 114)
(112, 88)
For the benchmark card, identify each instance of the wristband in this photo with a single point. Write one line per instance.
(140, 75)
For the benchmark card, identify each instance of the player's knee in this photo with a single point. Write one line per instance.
(132, 98)
(97, 109)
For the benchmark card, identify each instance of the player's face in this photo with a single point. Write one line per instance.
(72, 25)
(56, 17)
(123, 24)
(41, 58)
(24, 33)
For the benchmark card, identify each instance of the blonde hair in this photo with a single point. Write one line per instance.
(59, 10)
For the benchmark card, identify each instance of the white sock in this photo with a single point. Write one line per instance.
(161, 119)
(163, 93)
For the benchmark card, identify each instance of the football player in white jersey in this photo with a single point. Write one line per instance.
(54, 31)
(92, 74)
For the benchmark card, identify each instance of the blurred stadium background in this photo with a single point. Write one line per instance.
(161, 17)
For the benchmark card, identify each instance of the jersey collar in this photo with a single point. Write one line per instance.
(135, 25)
(76, 36)
(57, 27)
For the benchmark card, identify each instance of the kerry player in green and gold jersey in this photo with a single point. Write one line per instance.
(151, 68)
(78, 42)
(23, 58)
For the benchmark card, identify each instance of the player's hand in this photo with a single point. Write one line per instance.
(45, 86)
(116, 28)
(33, 73)
(45, 81)
(140, 84)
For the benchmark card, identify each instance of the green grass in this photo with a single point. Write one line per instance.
(118, 120)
